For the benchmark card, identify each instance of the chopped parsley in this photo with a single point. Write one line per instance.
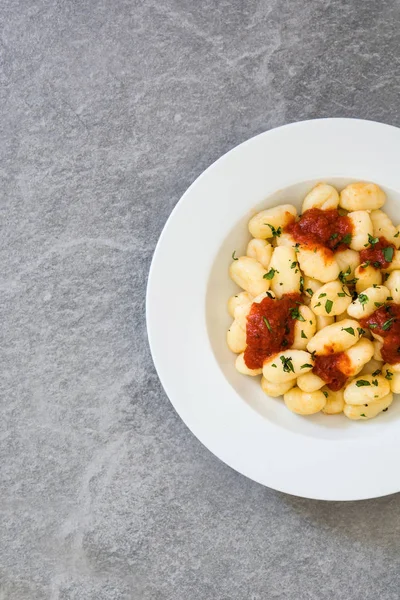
(389, 374)
(349, 330)
(306, 366)
(267, 323)
(346, 239)
(373, 325)
(388, 253)
(328, 306)
(270, 273)
(275, 232)
(321, 295)
(362, 415)
(362, 383)
(363, 299)
(294, 264)
(387, 324)
(376, 264)
(334, 236)
(366, 264)
(325, 393)
(389, 298)
(344, 274)
(372, 240)
(301, 284)
(377, 372)
(287, 364)
(397, 234)
(303, 335)
(274, 365)
(295, 313)
(375, 382)
(360, 330)
(341, 294)
(309, 291)
(378, 304)
(233, 255)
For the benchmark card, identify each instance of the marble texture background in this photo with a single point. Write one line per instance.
(110, 109)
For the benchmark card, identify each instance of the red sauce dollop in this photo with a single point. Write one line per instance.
(263, 341)
(374, 255)
(385, 321)
(330, 368)
(322, 228)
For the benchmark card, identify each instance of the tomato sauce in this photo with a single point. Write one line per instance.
(332, 369)
(385, 321)
(270, 328)
(322, 228)
(376, 255)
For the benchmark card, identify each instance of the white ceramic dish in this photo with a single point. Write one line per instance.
(323, 457)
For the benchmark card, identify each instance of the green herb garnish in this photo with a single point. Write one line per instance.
(267, 323)
(349, 330)
(372, 240)
(328, 306)
(275, 232)
(362, 383)
(363, 298)
(388, 253)
(270, 274)
(287, 364)
(387, 324)
(295, 313)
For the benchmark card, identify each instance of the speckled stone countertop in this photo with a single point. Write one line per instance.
(110, 109)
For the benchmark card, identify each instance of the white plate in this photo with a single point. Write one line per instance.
(323, 457)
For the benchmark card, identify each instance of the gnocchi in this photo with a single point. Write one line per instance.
(318, 314)
(249, 274)
(269, 223)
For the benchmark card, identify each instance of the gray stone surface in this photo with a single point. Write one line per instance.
(110, 109)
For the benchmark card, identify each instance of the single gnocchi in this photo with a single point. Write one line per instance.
(322, 196)
(370, 410)
(304, 328)
(285, 271)
(365, 303)
(276, 389)
(241, 299)
(249, 274)
(366, 389)
(317, 318)
(334, 401)
(318, 264)
(332, 299)
(304, 403)
(335, 338)
(261, 250)
(269, 223)
(362, 196)
(287, 365)
(362, 228)
(393, 285)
